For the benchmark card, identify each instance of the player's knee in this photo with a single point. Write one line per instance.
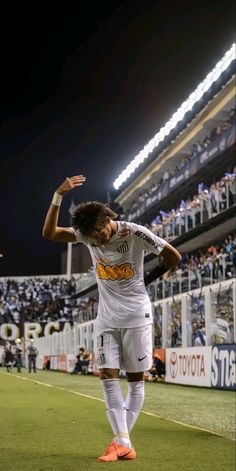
(132, 377)
(108, 373)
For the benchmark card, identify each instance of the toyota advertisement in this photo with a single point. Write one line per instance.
(189, 366)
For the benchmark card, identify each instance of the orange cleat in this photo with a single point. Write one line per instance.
(115, 452)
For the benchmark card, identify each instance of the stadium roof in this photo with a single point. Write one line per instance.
(212, 83)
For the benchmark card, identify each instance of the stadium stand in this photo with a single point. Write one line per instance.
(41, 299)
(173, 175)
(207, 203)
(45, 299)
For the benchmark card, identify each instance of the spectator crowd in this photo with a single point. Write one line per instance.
(197, 149)
(221, 320)
(41, 299)
(217, 262)
(205, 204)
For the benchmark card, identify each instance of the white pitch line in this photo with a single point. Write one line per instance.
(151, 414)
(187, 425)
(58, 387)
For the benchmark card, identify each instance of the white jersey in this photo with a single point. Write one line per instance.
(118, 264)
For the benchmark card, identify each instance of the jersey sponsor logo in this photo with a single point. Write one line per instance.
(124, 232)
(148, 239)
(123, 247)
(115, 272)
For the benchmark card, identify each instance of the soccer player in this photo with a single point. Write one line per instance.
(124, 319)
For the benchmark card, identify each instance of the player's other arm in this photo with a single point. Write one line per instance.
(169, 257)
(51, 230)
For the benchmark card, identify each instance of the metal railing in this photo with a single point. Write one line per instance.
(188, 280)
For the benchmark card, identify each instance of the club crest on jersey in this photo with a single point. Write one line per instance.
(123, 247)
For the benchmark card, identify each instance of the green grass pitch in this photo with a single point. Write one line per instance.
(61, 425)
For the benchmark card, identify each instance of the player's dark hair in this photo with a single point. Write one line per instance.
(91, 217)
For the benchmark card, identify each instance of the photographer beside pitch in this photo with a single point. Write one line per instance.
(124, 319)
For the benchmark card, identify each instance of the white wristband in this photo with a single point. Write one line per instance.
(56, 201)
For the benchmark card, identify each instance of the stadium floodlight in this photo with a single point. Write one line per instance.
(186, 106)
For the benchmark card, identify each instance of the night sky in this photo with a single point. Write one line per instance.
(84, 88)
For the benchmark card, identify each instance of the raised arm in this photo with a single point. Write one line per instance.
(50, 229)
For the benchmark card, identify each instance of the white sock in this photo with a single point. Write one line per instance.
(115, 409)
(134, 402)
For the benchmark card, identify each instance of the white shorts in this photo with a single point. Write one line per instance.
(128, 349)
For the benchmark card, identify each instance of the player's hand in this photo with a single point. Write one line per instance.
(70, 183)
